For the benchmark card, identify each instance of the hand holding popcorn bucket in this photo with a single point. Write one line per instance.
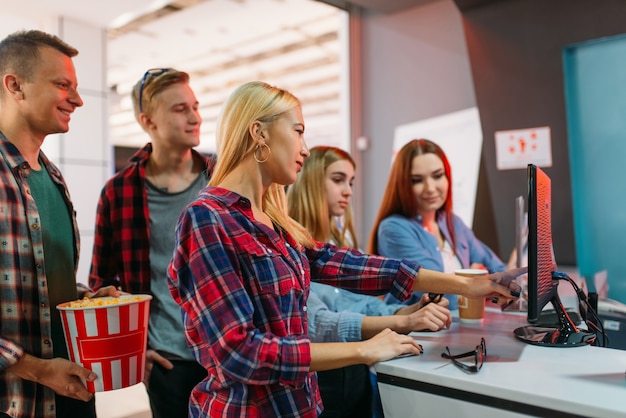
(108, 336)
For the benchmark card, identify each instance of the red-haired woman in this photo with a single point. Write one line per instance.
(415, 220)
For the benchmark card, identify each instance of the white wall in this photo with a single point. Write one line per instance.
(415, 66)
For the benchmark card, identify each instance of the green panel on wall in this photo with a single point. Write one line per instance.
(595, 85)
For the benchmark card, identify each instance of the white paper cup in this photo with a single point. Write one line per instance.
(471, 310)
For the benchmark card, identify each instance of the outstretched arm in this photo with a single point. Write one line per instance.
(326, 325)
(500, 285)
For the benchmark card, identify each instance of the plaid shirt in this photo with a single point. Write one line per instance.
(25, 309)
(121, 251)
(243, 288)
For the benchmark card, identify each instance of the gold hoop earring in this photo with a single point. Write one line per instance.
(260, 147)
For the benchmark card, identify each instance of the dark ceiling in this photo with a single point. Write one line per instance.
(393, 6)
(470, 4)
(381, 6)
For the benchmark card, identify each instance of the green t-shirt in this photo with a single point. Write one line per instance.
(58, 245)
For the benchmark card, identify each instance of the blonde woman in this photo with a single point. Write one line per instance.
(242, 267)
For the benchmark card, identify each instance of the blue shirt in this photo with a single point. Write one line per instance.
(336, 314)
(401, 237)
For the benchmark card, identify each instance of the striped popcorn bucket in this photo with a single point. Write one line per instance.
(108, 338)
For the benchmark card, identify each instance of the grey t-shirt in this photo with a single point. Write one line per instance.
(165, 331)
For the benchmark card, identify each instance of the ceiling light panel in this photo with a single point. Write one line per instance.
(293, 44)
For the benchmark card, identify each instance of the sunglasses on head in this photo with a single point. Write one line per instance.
(152, 72)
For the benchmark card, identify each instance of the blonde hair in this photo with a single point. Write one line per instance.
(153, 85)
(307, 199)
(255, 101)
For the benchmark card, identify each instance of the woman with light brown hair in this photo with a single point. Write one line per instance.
(320, 199)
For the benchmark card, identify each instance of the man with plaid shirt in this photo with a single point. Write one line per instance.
(39, 242)
(135, 228)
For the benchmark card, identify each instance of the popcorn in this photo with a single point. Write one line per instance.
(104, 301)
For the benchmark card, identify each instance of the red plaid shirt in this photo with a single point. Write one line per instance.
(121, 250)
(243, 288)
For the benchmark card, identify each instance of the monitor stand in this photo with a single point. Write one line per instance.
(565, 334)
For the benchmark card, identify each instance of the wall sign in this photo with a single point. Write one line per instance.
(520, 147)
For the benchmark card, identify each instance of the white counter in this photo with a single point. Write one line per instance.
(517, 379)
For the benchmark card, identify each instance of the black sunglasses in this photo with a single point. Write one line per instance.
(152, 72)
(479, 354)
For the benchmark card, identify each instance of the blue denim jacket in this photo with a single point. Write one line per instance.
(402, 237)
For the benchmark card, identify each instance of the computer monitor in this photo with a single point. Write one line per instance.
(542, 274)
